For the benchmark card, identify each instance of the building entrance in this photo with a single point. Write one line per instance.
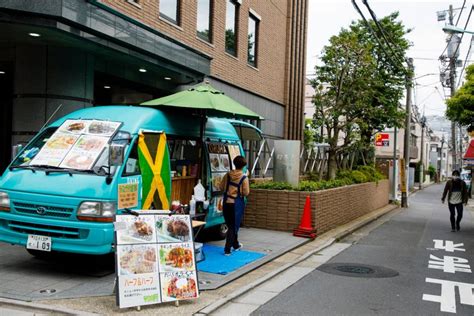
(6, 100)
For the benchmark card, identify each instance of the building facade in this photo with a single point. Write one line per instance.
(58, 56)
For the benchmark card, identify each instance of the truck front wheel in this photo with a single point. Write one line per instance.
(43, 255)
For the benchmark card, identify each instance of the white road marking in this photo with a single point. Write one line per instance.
(449, 264)
(447, 299)
(450, 246)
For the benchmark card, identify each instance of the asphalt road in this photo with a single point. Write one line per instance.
(404, 243)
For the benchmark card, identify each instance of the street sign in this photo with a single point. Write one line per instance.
(382, 139)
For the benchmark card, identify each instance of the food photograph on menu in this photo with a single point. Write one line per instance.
(218, 203)
(137, 259)
(215, 161)
(135, 229)
(103, 128)
(179, 286)
(85, 152)
(224, 162)
(216, 181)
(74, 126)
(175, 228)
(55, 149)
(176, 257)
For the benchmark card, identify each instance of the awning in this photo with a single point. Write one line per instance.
(206, 98)
(469, 155)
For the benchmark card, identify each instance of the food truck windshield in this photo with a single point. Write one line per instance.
(53, 150)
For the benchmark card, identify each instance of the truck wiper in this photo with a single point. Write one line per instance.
(22, 167)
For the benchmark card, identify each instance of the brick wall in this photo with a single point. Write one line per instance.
(282, 210)
(268, 80)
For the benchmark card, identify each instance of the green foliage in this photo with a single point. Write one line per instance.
(309, 133)
(270, 185)
(432, 172)
(358, 87)
(372, 174)
(461, 105)
(344, 177)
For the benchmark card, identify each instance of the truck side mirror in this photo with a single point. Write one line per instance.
(16, 150)
(116, 155)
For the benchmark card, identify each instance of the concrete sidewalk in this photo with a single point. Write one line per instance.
(211, 301)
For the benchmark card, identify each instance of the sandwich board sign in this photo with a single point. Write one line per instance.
(155, 260)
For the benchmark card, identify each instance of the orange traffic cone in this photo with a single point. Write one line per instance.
(305, 229)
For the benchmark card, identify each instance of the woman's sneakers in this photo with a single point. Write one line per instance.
(238, 248)
(228, 253)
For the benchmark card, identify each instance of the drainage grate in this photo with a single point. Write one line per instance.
(358, 270)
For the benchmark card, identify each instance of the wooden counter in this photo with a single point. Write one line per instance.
(182, 188)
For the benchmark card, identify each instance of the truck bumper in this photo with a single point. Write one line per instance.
(66, 236)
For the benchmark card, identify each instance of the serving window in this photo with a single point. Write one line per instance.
(185, 157)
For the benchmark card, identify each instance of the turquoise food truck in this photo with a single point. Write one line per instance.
(62, 190)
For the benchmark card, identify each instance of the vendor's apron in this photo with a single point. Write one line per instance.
(239, 201)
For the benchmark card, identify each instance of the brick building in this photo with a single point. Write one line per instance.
(57, 56)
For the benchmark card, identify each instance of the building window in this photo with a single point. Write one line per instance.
(204, 20)
(169, 10)
(231, 27)
(252, 49)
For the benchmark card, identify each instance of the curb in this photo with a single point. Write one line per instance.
(221, 302)
(5, 302)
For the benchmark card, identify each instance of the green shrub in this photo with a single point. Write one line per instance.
(359, 176)
(270, 185)
(372, 174)
(344, 177)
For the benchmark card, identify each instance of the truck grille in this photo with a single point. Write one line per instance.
(47, 230)
(49, 210)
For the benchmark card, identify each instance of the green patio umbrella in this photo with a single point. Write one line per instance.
(206, 99)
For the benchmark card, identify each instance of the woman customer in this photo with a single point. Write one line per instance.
(456, 191)
(235, 186)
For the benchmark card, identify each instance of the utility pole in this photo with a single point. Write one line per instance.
(422, 158)
(394, 168)
(452, 84)
(406, 147)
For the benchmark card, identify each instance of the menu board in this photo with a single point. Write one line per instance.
(220, 164)
(76, 144)
(234, 151)
(155, 259)
(127, 195)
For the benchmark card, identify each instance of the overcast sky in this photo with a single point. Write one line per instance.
(326, 17)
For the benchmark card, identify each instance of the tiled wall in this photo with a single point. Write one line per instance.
(282, 210)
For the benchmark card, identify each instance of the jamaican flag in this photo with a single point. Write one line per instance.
(153, 157)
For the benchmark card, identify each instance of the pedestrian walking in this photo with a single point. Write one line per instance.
(235, 186)
(456, 192)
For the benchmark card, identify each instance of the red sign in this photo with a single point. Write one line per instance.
(382, 139)
(470, 151)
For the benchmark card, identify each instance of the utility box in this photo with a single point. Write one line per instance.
(286, 161)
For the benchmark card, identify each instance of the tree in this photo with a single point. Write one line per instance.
(461, 105)
(358, 87)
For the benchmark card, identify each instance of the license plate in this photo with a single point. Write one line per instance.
(42, 243)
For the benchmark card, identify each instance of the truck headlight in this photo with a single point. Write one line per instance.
(96, 211)
(4, 202)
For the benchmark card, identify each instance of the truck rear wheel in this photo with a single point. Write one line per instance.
(220, 231)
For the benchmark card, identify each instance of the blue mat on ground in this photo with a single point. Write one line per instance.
(217, 263)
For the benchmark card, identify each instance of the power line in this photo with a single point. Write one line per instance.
(384, 36)
(462, 34)
(460, 13)
(468, 55)
(377, 38)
